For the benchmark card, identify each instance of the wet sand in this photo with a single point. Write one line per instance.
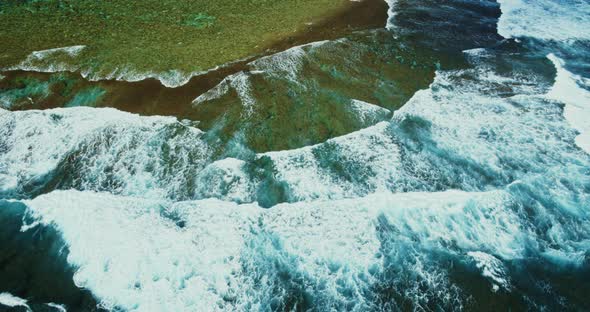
(150, 97)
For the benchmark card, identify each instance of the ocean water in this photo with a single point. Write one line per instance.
(473, 195)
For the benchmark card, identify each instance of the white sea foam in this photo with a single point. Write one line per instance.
(12, 301)
(490, 129)
(51, 60)
(240, 83)
(367, 158)
(159, 157)
(545, 19)
(368, 113)
(126, 153)
(67, 59)
(150, 254)
(132, 254)
(170, 79)
(216, 92)
(220, 255)
(58, 307)
(499, 130)
(391, 13)
(492, 268)
(568, 89)
(71, 51)
(146, 255)
(287, 63)
(225, 179)
(283, 64)
(470, 220)
(356, 164)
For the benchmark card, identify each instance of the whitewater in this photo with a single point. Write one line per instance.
(474, 195)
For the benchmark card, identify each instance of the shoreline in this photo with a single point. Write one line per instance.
(151, 97)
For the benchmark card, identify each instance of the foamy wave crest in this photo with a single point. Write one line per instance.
(477, 180)
(160, 157)
(145, 255)
(368, 113)
(171, 79)
(492, 268)
(9, 300)
(391, 14)
(545, 19)
(573, 91)
(68, 59)
(286, 64)
(51, 60)
(504, 118)
(98, 149)
(17, 304)
(353, 165)
(475, 130)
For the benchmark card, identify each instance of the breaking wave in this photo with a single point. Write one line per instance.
(523, 199)
(98, 149)
(545, 19)
(475, 193)
(66, 59)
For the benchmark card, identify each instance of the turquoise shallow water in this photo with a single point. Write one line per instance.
(473, 195)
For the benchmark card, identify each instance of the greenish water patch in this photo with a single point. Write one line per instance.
(155, 35)
(24, 91)
(307, 95)
(200, 20)
(40, 91)
(87, 97)
(296, 98)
